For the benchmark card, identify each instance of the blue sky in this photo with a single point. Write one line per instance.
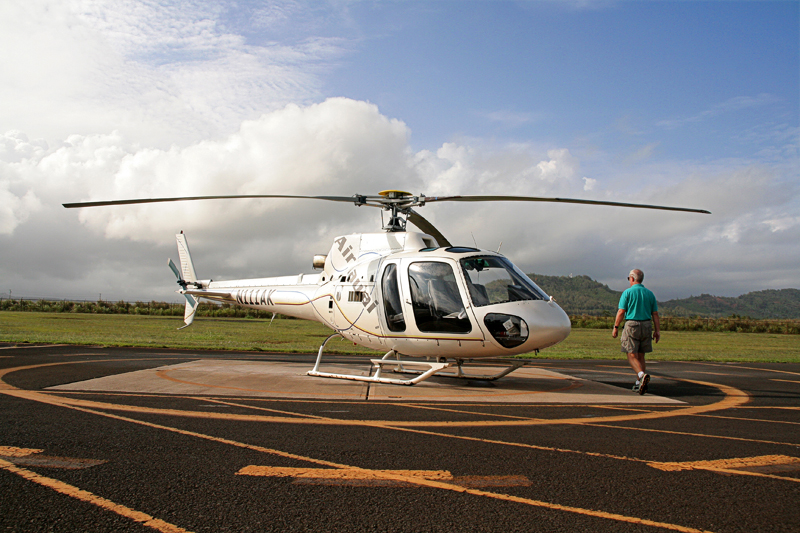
(629, 72)
(678, 102)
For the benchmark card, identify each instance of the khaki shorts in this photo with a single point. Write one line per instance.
(637, 336)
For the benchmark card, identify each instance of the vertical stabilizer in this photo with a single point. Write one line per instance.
(185, 275)
(187, 268)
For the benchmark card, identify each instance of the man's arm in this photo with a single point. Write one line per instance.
(656, 327)
(617, 320)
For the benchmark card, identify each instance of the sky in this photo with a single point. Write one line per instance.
(681, 103)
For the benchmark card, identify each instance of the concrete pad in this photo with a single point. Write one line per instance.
(266, 379)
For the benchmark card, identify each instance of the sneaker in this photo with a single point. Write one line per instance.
(643, 386)
(635, 387)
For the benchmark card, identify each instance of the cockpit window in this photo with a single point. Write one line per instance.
(494, 280)
(436, 300)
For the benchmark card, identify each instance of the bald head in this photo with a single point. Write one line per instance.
(637, 275)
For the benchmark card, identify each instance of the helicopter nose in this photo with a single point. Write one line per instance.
(550, 326)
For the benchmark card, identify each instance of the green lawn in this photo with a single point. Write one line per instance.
(300, 336)
(684, 346)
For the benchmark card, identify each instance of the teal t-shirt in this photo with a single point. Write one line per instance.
(639, 303)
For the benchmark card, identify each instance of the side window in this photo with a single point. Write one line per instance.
(437, 303)
(391, 299)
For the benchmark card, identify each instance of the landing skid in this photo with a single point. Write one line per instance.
(461, 375)
(379, 364)
(401, 367)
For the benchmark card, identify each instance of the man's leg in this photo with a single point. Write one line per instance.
(636, 360)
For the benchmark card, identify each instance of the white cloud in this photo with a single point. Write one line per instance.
(161, 73)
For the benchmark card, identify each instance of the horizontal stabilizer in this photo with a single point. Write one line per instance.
(211, 295)
(175, 270)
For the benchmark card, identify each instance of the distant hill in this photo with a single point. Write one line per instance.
(581, 295)
(783, 303)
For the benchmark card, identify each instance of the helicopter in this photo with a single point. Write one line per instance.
(429, 304)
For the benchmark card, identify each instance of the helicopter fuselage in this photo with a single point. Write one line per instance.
(400, 291)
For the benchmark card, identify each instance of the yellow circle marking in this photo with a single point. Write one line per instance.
(733, 398)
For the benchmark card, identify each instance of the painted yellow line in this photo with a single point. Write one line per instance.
(358, 477)
(460, 411)
(12, 451)
(779, 407)
(621, 408)
(771, 370)
(785, 380)
(74, 492)
(730, 464)
(339, 473)
(747, 466)
(704, 435)
(246, 406)
(749, 419)
(746, 368)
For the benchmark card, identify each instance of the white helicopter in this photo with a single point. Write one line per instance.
(409, 293)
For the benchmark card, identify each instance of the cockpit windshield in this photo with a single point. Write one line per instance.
(494, 280)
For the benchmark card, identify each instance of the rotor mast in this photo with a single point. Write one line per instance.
(397, 203)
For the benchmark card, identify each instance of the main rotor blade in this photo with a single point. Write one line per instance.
(358, 200)
(562, 200)
(426, 227)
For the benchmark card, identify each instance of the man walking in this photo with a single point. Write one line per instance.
(639, 308)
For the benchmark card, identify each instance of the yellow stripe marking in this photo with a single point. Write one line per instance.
(75, 492)
(785, 380)
(704, 435)
(340, 473)
(779, 407)
(747, 368)
(729, 464)
(750, 419)
(12, 451)
(747, 466)
(358, 477)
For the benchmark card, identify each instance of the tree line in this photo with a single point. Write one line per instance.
(606, 321)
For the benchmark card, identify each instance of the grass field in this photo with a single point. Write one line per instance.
(300, 336)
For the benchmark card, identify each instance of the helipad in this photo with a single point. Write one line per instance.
(268, 379)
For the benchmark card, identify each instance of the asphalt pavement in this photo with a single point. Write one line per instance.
(114, 439)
